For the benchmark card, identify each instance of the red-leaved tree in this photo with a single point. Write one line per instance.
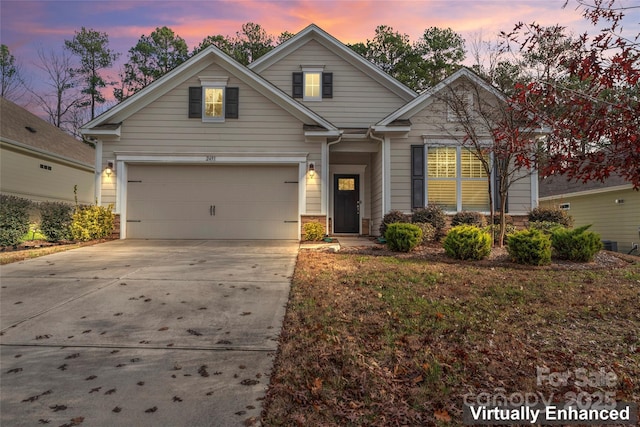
(591, 106)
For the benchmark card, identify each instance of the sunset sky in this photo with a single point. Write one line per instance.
(29, 25)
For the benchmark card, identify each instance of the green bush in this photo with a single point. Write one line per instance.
(531, 247)
(576, 245)
(14, 219)
(551, 215)
(56, 218)
(432, 214)
(546, 227)
(495, 230)
(391, 218)
(313, 231)
(428, 232)
(467, 242)
(92, 222)
(403, 237)
(469, 218)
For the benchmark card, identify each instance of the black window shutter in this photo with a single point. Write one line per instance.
(297, 88)
(327, 85)
(417, 176)
(232, 102)
(195, 102)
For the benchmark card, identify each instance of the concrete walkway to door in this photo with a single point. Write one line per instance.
(144, 333)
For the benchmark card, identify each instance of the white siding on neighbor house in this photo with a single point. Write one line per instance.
(618, 222)
(163, 127)
(358, 100)
(431, 123)
(22, 176)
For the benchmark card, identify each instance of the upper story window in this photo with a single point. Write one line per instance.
(312, 84)
(213, 101)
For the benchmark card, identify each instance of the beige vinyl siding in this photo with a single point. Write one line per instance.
(618, 222)
(22, 176)
(358, 100)
(432, 123)
(376, 193)
(262, 127)
(314, 199)
(520, 194)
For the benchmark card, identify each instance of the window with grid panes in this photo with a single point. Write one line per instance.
(456, 180)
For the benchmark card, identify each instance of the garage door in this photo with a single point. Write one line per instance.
(212, 202)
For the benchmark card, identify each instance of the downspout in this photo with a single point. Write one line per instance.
(382, 195)
(326, 218)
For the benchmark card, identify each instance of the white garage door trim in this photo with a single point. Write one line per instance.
(124, 159)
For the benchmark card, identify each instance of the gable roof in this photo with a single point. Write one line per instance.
(23, 129)
(105, 123)
(428, 96)
(313, 32)
(560, 186)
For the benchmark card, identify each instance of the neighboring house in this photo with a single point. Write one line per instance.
(40, 162)
(612, 207)
(310, 131)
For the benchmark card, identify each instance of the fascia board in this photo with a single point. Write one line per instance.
(340, 49)
(193, 67)
(427, 97)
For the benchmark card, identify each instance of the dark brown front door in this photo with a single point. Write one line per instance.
(346, 204)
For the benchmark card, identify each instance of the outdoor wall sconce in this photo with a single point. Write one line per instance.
(312, 170)
(109, 169)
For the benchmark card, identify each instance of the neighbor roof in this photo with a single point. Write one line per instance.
(559, 185)
(21, 128)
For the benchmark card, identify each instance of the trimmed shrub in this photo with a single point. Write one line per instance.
(56, 218)
(403, 237)
(551, 215)
(576, 245)
(428, 232)
(391, 218)
(313, 231)
(546, 227)
(467, 242)
(432, 214)
(469, 218)
(14, 219)
(531, 247)
(92, 222)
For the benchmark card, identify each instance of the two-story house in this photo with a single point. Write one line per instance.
(310, 131)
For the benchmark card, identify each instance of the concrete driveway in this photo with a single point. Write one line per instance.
(144, 333)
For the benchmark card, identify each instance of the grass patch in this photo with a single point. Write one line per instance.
(377, 340)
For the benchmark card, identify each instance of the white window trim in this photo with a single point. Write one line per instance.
(213, 82)
(458, 178)
(316, 69)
